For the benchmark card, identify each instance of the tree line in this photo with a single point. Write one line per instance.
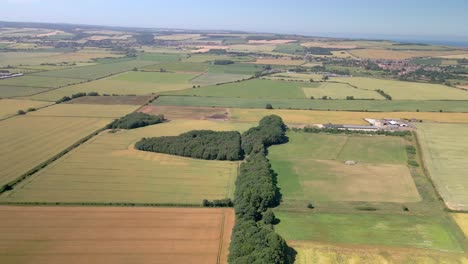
(135, 120)
(199, 144)
(254, 239)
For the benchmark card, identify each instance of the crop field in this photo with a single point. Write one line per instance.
(38, 81)
(178, 37)
(130, 83)
(188, 113)
(280, 61)
(311, 168)
(312, 252)
(407, 90)
(305, 77)
(96, 71)
(180, 67)
(236, 68)
(462, 221)
(253, 48)
(24, 58)
(9, 107)
(114, 235)
(107, 169)
(111, 100)
(215, 78)
(339, 91)
(17, 91)
(341, 105)
(304, 117)
(85, 110)
(444, 151)
(431, 232)
(28, 141)
(252, 89)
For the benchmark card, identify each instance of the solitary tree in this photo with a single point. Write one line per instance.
(269, 106)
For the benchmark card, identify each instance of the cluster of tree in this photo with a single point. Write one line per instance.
(427, 75)
(199, 144)
(218, 203)
(145, 39)
(223, 62)
(384, 94)
(135, 120)
(77, 95)
(332, 130)
(320, 51)
(271, 130)
(254, 239)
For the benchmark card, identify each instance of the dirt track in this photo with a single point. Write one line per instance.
(114, 235)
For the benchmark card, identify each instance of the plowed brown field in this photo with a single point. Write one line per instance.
(114, 235)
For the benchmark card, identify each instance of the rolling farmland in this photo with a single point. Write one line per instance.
(100, 171)
(114, 235)
(407, 90)
(252, 89)
(9, 107)
(311, 167)
(444, 152)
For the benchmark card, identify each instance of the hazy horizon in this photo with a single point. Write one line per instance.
(399, 20)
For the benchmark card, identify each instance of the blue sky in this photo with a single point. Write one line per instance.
(410, 19)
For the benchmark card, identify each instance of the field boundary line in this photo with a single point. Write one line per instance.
(38, 108)
(221, 237)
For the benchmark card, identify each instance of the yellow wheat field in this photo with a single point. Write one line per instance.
(108, 169)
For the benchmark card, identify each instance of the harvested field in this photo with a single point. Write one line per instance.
(24, 58)
(312, 252)
(111, 100)
(304, 117)
(399, 90)
(445, 155)
(9, 107)
(188, 113)
(311, 167)
(114, 235)
(179, 67)
(107, 169)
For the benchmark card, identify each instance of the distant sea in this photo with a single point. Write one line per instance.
(459, 44)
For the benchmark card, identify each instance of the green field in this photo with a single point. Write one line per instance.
(96, 71)
(431, 232)
(39, 81)
(311, 167)
(16, 91)
(252, 89)
(236, 68)
(340, 91)
(192, 67)
(342, 105)
(215, 78)
(407, 90)
(445, 155)
(160, 57)
(293, 48)
(137, 83)
(108, 169)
